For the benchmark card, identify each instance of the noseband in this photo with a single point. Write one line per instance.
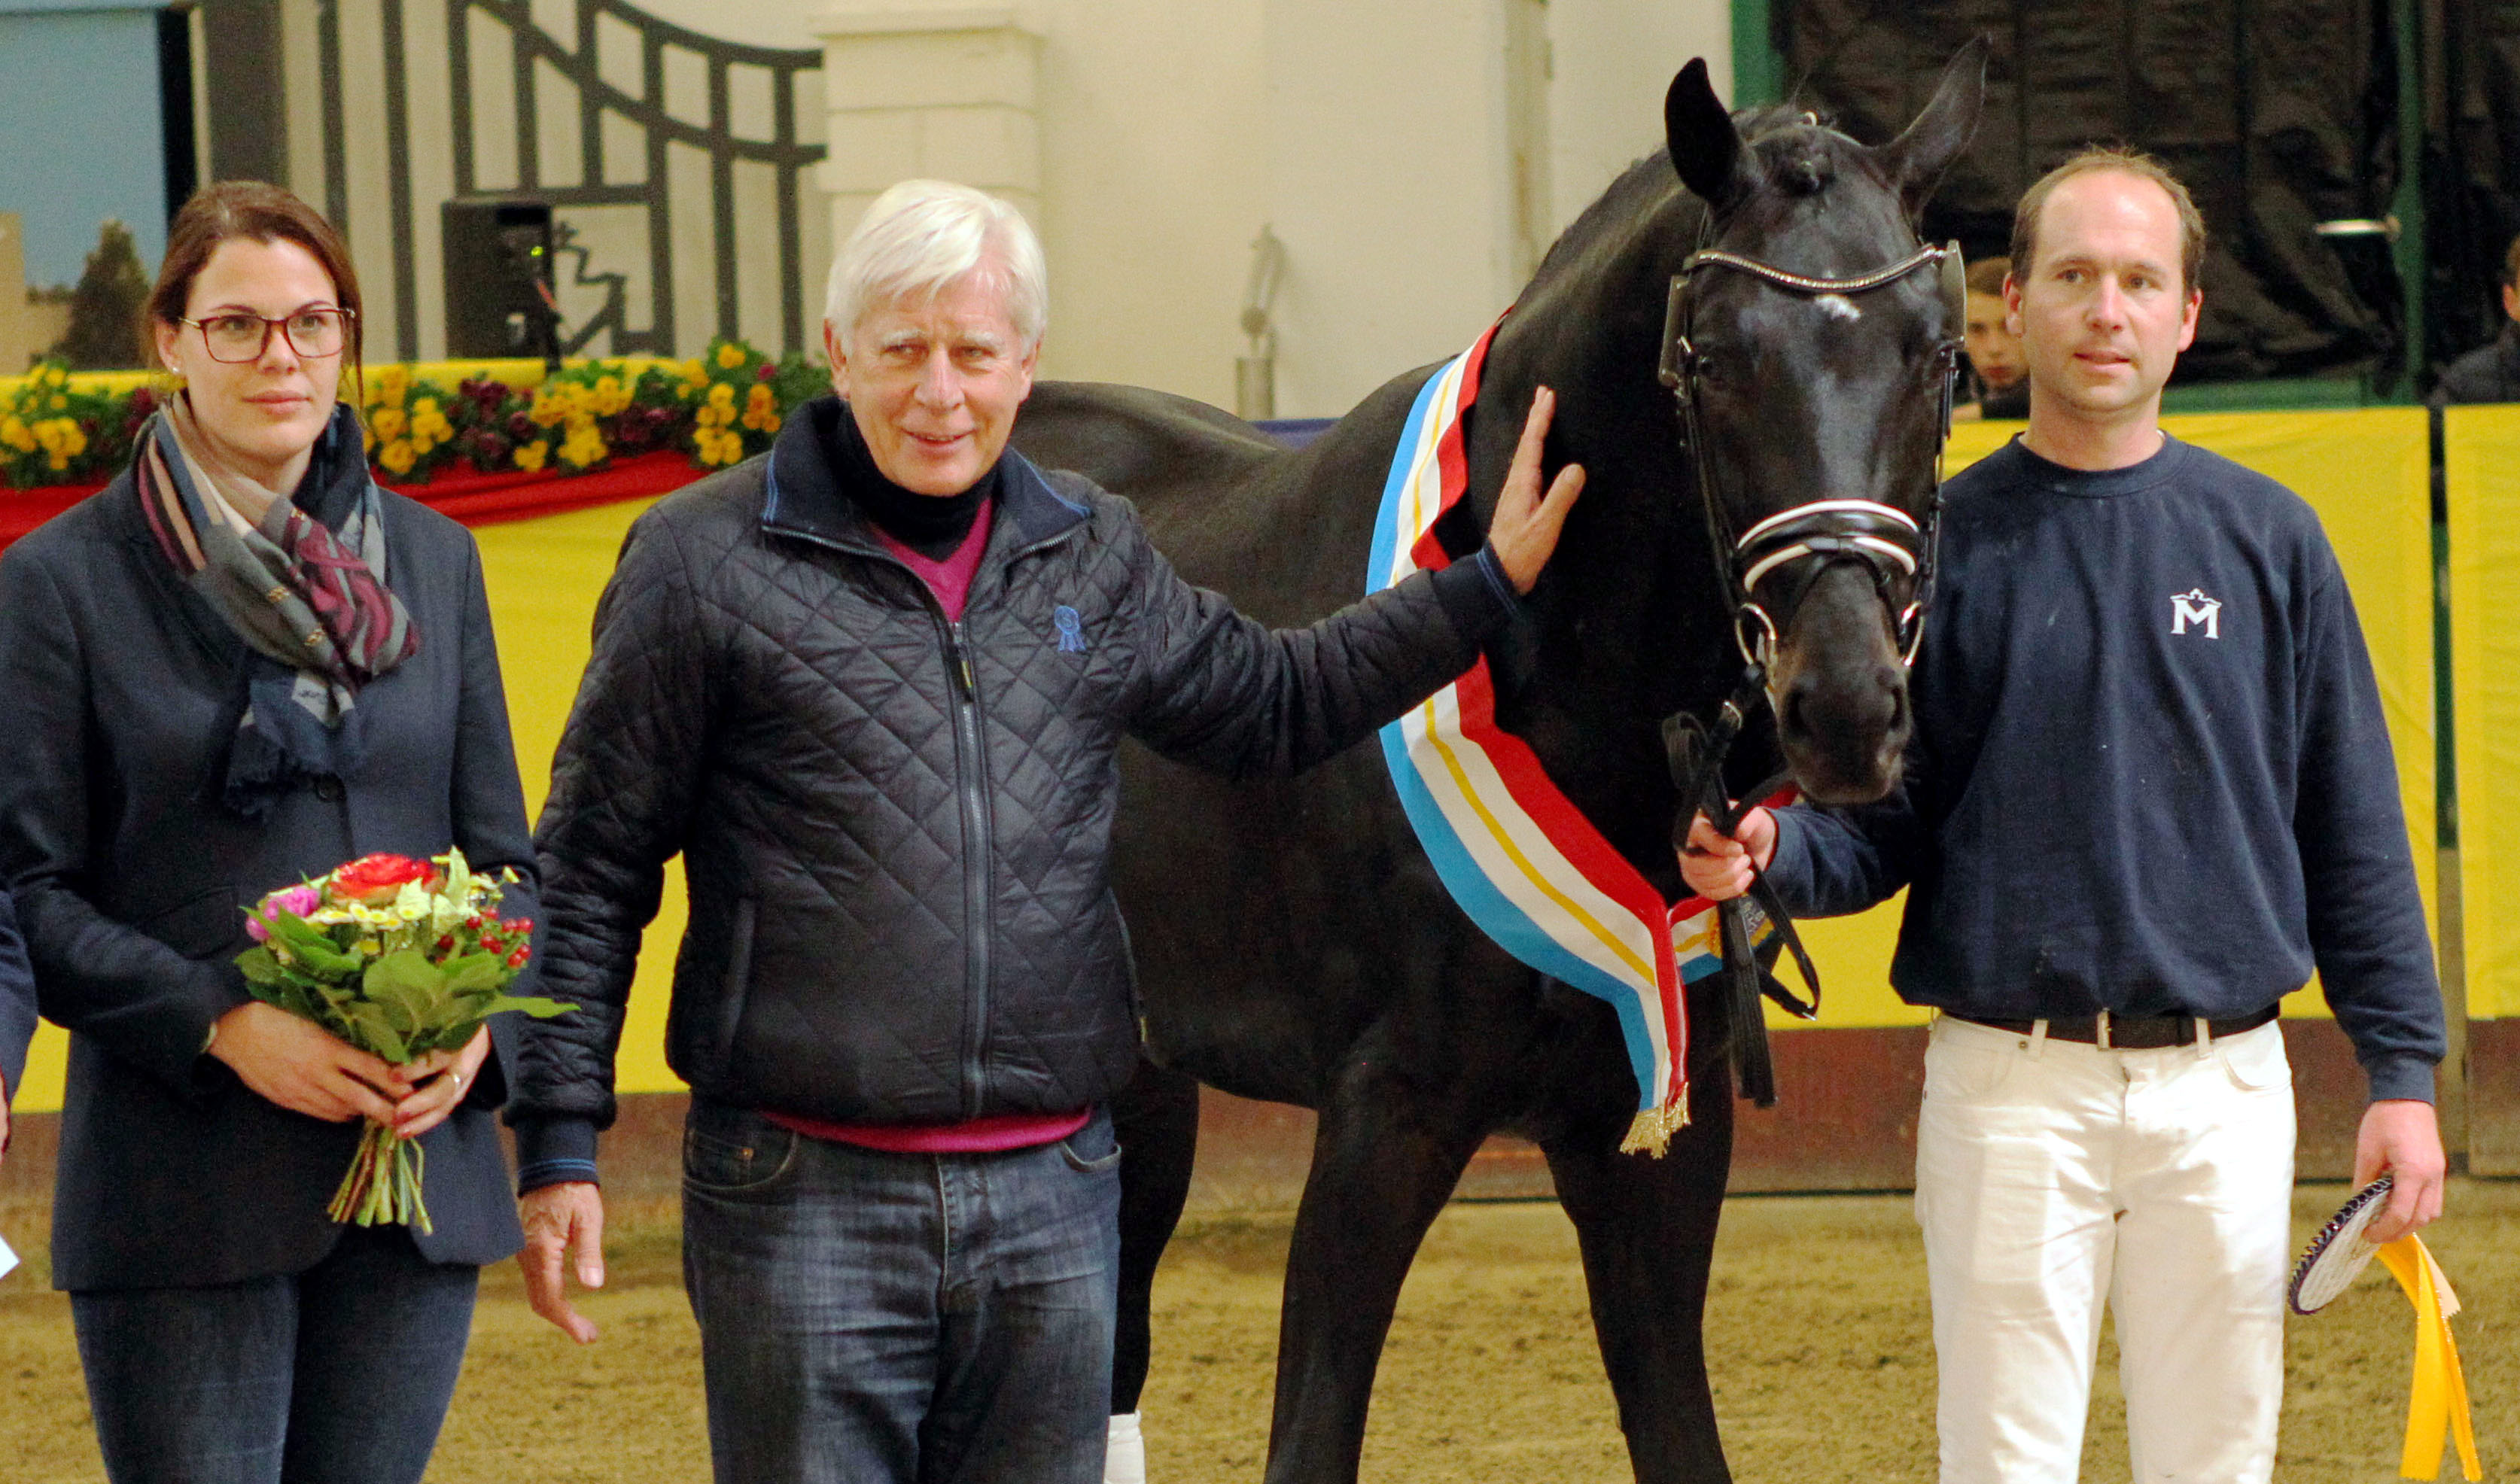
(1796, 546)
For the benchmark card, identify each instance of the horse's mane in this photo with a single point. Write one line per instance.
(1646, 183)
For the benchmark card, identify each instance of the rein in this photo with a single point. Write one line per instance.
(1794, 547)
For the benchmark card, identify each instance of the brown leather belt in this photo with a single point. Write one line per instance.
(2130, 1033)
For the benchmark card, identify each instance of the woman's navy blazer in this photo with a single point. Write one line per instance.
(119, 691)
(16, 1002)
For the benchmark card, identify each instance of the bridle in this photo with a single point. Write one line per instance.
(1797, 545)
(1792, 548)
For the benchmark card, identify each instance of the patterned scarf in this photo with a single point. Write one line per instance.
(310, 603)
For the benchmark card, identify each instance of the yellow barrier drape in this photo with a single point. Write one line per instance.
(2367, 474)
(2481, 465)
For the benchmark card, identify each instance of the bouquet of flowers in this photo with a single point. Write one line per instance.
(399, 958)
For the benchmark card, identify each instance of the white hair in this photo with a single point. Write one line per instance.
(917, 238)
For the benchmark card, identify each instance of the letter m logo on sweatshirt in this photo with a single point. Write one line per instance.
(2194, 608)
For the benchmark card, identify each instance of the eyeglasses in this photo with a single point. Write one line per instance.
(232, 339)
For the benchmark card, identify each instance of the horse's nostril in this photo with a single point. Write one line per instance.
(1796, 721)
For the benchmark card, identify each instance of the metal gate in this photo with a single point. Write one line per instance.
(672, 162)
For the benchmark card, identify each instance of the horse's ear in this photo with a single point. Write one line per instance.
(1917, 160)
(1705, 147)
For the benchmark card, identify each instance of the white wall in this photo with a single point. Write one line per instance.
(1154, 181)
(1614, 60)
(1388, 183)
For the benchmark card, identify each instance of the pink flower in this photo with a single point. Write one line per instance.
(297, 900)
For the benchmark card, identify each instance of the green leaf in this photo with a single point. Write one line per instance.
(474, 972)
(405, 973)
(260, 968)
(376, 1033)
(312, 945)
(528, 1005)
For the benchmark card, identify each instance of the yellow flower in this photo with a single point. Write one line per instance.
(398, 457)
(389, 422)
(610, 397)
(393, 383)
(729, 355)
(584, 447)
(61, 438)
(15, 433)
(529, 457)
(721, 395)
(760, 409)
(694, 375)
(60, 401)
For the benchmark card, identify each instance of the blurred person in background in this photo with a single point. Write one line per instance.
(2491, 372)
(1998, 370)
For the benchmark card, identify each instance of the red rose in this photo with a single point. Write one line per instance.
(376, 879)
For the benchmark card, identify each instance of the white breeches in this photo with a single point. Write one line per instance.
(2052, 1174)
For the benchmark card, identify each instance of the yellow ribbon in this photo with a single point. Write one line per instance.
(2440, 1392)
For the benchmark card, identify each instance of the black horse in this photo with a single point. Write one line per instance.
(1294, 943)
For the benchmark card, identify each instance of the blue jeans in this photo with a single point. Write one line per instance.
(340, 1374)
(918, 1318)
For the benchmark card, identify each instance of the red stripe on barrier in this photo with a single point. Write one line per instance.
(474, 499)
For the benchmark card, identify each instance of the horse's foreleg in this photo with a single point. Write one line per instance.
(1156, 1116)
(1384, 1161)
(1647, 1233)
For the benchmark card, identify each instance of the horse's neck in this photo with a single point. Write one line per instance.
(1624, 629)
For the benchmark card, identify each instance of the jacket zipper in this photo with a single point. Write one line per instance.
(979, 849)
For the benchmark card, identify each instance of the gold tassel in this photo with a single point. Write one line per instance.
(1649, 1132)
(2439, 1395)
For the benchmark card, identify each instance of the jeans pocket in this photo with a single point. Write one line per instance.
(1968, 1069)
(745, 1154)
(2255, 1059)
(1092, 1148)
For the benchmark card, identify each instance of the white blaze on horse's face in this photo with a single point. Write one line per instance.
(934, 381)
(1838, 306)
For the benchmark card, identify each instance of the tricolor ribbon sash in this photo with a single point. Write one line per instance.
(1528, 868)
(2439, 1396)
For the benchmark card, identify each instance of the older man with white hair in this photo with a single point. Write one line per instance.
(870, 687)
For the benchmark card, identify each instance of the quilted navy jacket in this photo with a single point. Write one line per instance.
(896, 828)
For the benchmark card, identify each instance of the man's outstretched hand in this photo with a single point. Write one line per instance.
(1524, 530)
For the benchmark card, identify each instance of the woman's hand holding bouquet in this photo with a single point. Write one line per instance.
(372, 986)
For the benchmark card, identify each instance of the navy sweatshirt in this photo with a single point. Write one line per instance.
(2150, 773)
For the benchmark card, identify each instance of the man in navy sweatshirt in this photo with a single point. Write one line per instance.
(2151, 790)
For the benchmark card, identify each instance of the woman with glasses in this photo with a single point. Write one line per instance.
(239, 665)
